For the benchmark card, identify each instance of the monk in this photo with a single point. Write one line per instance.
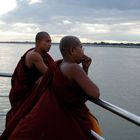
(28, 72)
(56, 110)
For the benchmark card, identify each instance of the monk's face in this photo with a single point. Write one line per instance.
(79, 53)
(45, 43)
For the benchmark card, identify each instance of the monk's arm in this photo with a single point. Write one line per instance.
(38, 62)
(84, 81)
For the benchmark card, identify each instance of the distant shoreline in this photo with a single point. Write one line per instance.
(100, 44)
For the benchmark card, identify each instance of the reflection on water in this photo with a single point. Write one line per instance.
(115, 70)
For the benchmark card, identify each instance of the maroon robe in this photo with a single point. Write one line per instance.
(23, 82)
(24, 79)
(56, 110)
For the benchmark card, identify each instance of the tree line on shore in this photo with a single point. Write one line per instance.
(100, 44)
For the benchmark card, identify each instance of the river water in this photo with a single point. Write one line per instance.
(116, 71)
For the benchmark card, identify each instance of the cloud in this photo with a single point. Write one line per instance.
(34, 1)
(91, 19)
(5, 8)
(66, 22)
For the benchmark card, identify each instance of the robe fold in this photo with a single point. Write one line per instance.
(23, 82)
(56, 110)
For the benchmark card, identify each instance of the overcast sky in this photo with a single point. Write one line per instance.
(90, 20)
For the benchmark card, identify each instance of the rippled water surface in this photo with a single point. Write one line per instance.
(116, 71)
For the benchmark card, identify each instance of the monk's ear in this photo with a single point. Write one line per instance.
(72, 51)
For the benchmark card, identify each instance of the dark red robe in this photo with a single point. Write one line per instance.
(23, 82)
(24, 79)
(55, 111)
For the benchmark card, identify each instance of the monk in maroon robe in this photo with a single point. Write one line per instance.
(32, 65)
(56, 110)
(24, 79)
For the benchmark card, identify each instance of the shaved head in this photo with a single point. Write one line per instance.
(40, 36)
(68, 42)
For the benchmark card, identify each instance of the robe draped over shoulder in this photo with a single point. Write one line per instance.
(23, 82)
(24, 79)
(55, 111)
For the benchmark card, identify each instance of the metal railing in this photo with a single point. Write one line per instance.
(2, 74)
(117, 110)
(108, 106)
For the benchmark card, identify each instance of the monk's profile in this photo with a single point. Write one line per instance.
(28, 72)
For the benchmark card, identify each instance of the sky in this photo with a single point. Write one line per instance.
(90, 20)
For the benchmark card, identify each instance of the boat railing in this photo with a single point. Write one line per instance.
(3, 74)
(135, 119)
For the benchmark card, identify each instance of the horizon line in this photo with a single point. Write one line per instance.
(101, 42)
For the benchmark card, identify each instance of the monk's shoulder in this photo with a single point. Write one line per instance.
(69, 69)
(32, 57)
(74, 66)
(75, 69)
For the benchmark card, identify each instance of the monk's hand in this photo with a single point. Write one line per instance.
(86, 63)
